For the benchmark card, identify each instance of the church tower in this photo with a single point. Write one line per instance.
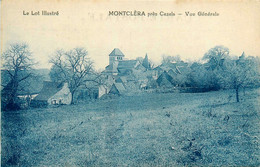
(115, 56)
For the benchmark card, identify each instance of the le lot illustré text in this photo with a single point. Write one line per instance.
(41, 13)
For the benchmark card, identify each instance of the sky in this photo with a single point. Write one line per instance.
(88, 24)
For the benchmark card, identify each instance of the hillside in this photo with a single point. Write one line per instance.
(149, 129)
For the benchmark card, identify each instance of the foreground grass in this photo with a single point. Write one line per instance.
(174, 129)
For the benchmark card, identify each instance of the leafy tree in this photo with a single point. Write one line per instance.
(223, 71)
(241, 73)
(18, 66)
(201, 77)
(198, 76)
(215, 57)
(74, 67)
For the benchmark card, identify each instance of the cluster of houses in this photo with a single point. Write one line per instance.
(121, 76)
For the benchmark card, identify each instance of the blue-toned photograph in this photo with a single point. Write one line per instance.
(136, 84)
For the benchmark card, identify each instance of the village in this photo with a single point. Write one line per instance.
(99, 83)
(121, 77)
(73, 79)
(132, 113)
(126, 77)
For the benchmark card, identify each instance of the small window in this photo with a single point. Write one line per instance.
(54, 102)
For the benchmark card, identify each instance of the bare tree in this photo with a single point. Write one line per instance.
(73, 67)
(169, 59)
(18, 66)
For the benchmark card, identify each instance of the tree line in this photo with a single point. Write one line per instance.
(220, 70)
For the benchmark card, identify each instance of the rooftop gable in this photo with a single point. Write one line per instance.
(164, 76)
(117, 88)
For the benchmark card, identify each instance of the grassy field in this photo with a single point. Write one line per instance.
(149, 129)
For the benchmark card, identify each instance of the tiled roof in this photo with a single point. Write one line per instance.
(127, 64)
(116, 52)
(49, 89)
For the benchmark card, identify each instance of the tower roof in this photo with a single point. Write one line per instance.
(146, 63)
(116, 52)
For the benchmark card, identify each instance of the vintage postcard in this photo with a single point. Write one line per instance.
(130, 83)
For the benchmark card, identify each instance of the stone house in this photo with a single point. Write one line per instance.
(52, 93)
